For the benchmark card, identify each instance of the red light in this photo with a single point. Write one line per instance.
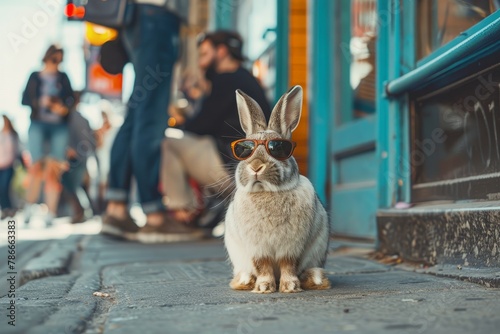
(80, 12)
(72, 11)
(69, 10)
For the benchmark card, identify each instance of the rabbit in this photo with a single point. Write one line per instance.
(277, 230)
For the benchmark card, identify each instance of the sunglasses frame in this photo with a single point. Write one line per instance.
(265, 143)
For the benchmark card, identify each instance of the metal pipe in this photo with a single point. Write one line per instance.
(413, 79)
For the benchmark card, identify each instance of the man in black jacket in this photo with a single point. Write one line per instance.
(201, 151)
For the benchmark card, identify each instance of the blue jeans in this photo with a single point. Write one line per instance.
(5, 179)
(48, 140)
(152, 43)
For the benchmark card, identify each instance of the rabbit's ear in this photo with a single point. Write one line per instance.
(252, 118)
(286, 114)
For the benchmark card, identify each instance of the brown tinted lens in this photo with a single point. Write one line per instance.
(243, 149)
(280, 149)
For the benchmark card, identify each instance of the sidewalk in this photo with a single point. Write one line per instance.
(183, 288)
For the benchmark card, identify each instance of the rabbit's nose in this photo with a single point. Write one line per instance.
(259, 169)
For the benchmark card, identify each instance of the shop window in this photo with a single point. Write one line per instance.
(456, 137)
(362, 53)
(440, 21)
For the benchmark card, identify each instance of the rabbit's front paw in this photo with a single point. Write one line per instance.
(290, 285)
(265, 285)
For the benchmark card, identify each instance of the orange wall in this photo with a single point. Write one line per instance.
(297, 74)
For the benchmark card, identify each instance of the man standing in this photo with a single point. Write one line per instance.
(202, 149)
(152, 44)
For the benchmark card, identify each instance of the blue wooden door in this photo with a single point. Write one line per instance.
(354, 164)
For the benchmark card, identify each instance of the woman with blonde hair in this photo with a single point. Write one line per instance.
(50, 96)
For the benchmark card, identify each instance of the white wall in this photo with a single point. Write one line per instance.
(27, 28)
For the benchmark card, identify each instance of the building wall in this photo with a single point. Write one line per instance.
(297, 75)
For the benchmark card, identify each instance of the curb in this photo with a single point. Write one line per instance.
(488, 277)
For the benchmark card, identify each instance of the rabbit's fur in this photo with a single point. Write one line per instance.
(277, 230)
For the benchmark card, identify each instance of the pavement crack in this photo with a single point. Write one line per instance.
(105, 297)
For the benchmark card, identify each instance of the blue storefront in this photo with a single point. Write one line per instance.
(404, 120)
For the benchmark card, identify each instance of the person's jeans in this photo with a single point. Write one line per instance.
(152, 43)
(5, 179)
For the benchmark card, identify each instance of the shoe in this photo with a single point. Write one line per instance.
(78, 218)
(169, 231)
(49, 219)
(28, 212)
(11, 213)
(121, 228)
(8, 213)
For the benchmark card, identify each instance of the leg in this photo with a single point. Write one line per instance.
(314, 257)
(55, 164)
(174, 179)
(153, 62)
(34, 181)
(3, 192)
(120, 170)
(71, 181)
(36, 141)
(204, 164)
(244, 278)
(314, 279)
(117, 220)
(5, 179)
(289, 282)
(266, 282)
(242, 281)
(53, 187)
(153, 58)
(196, 157)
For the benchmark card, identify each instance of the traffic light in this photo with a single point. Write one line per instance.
(74, 10)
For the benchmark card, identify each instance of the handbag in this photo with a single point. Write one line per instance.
(113, 56)
(109, 13)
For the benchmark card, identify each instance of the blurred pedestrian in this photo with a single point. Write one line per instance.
(105, 136)
(203, 149)
(50, 96)
(9, 152)
(82, 144)
(152, 43)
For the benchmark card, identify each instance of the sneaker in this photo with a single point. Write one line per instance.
(121, 228)
(28, 212)
(49, 219)
(169, 231)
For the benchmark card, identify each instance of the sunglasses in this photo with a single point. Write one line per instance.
(280, 149)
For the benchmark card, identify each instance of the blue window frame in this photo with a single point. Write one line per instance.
(445, 68)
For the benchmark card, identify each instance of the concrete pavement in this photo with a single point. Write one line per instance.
(183, 288)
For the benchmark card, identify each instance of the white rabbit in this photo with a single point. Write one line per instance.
(276, 228)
